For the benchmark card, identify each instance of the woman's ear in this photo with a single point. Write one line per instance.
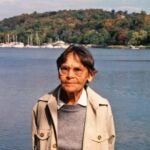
(91, 76)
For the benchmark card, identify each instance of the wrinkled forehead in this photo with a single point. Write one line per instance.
(72, 58)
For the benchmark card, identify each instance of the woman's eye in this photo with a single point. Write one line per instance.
(64, 68)
(77, 69)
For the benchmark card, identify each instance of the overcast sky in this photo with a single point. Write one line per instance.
(10, 8)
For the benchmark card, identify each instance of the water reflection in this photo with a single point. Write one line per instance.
(123, 78)
(128, 92)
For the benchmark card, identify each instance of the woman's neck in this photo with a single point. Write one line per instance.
(70, 98)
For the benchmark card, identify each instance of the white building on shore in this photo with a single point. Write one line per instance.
(57, 44)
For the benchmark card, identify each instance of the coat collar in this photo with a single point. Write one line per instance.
(94, 99)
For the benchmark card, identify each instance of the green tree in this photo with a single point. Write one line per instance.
(138, 38)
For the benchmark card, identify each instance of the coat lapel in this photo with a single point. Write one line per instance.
(52, 105)
(94, 118)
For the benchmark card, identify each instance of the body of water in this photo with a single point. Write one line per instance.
(123, 78)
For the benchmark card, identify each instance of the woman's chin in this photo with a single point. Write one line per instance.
(70, 89)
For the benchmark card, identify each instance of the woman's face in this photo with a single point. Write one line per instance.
(73, 75)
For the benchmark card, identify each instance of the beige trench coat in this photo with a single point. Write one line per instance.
(99, 131)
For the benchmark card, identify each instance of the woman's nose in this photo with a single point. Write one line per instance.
(70, 73)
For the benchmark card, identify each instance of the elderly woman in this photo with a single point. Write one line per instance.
(73, 116)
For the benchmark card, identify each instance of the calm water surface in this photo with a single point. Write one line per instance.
(123, 78)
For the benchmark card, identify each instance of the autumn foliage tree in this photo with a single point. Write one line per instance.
(89, 26)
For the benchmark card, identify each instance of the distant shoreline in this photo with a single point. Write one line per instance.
(140, 47)
(129, 47)
(62, 44)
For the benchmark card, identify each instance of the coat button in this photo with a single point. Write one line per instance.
(41, 134)
(54, 145)
(99, 137)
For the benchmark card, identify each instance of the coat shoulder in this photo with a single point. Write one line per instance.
(47, 96)
(97, 98)
(43, 100)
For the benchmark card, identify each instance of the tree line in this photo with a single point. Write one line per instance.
(89, 26)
